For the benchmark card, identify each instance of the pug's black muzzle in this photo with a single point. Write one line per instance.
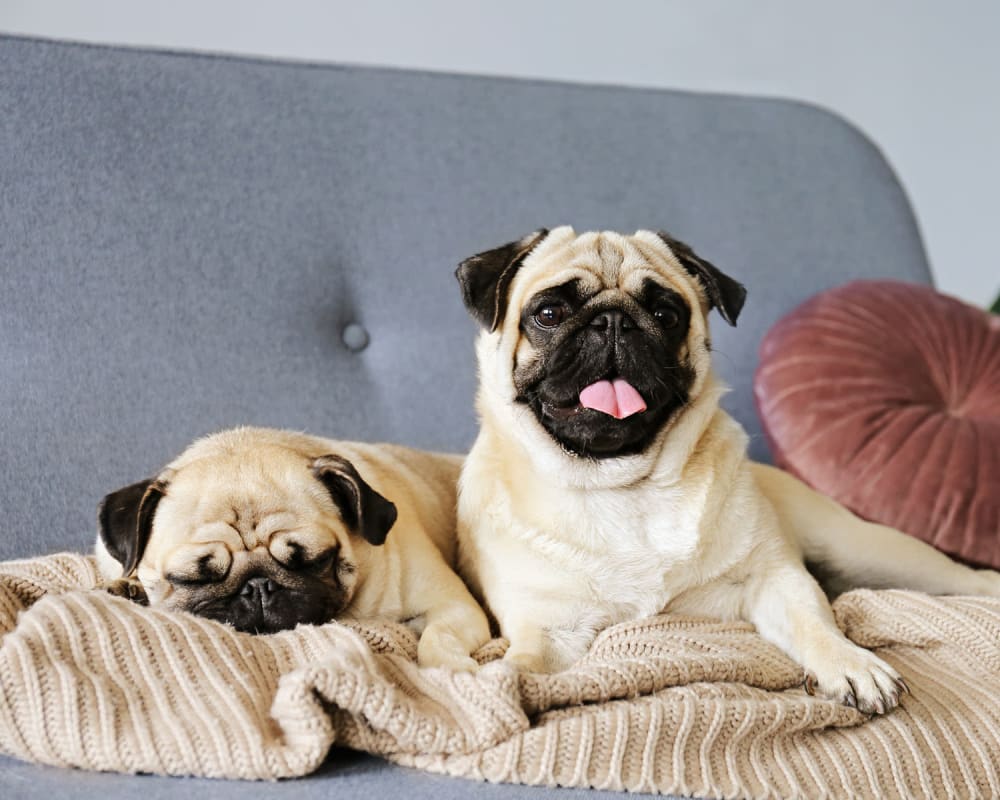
(265, 605)
(608, 343)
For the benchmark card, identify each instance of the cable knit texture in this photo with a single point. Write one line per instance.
(663, 705)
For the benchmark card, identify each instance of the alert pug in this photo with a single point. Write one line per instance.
(607, 484)
(264, 529)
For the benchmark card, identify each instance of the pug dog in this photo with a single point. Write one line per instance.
(607, 484)
(267, 529)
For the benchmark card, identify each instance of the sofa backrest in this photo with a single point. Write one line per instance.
(184, 239)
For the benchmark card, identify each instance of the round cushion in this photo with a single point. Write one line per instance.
(886, 397)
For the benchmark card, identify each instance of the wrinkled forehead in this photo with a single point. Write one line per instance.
(215, 486)
(603, 260)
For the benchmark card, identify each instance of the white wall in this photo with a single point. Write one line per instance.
(921, 78)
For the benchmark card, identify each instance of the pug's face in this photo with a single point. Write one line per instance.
(603, 336)
(256, 534)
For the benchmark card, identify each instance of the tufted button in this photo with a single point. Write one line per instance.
(355, 337)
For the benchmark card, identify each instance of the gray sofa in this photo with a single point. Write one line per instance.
(185, 239)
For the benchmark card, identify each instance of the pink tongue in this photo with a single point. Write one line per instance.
(618, 399)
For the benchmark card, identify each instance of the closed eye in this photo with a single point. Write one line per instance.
(188, 580)
(204, 570)
(323, 561)
(296, 558)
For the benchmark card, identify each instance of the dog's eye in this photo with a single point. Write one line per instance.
(206, 567)
(667, 317)
(322, 562)
(550, 316)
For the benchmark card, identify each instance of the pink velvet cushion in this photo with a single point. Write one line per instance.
(886, 397)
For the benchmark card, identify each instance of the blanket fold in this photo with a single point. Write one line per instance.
(667, 704)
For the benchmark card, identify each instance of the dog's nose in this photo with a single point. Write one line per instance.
(612, 322)
(262, 587)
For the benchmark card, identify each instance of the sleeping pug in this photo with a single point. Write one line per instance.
(266, 529)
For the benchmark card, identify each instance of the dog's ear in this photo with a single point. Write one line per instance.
(363, 509)
(125, 520)
(723, 292)
(485, 278)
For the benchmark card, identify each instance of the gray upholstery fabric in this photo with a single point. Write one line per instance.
(184, 238)
(345, 775)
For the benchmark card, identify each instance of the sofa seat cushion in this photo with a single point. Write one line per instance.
(886, 396)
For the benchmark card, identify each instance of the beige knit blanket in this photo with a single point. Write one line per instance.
(666, 705)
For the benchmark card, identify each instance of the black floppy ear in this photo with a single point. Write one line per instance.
(723, 292)
(363, 509)
(125, 518)
(485, 278)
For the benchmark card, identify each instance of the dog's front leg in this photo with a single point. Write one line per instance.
(455, 628)
(528, 643)
(789, 609)
(452, 624)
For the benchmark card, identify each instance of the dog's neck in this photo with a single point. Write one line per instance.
(663, 461)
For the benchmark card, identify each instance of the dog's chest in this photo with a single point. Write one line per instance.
(638, 549)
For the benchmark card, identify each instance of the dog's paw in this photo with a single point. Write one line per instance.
(524, 660)
(129, 588)
(452, 661)
(443, 649)
(857, 678)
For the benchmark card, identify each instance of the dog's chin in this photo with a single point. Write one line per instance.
(587, 433)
